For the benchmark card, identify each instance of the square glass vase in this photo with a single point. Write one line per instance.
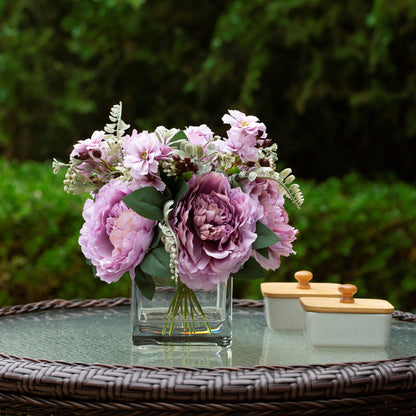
(207, 321)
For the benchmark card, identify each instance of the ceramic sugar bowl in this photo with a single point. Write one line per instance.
(281, 299)
(347, 322)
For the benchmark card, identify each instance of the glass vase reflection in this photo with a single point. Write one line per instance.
(177, 315)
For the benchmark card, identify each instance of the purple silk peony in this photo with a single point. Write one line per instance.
(114, 237)
(215, 228)
(266, 194)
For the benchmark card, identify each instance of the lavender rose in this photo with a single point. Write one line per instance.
(266, 194)
(215, 227)
(114, 237)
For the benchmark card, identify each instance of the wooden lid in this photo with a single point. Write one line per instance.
(346, 303)
(301, 288)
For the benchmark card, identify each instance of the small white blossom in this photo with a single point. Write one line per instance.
(58, 166)
(169, 167)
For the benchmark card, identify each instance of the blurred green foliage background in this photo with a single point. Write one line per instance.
(334, 82)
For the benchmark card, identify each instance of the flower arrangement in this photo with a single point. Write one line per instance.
(185, 204)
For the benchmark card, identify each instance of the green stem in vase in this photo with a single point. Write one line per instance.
(196, 303)
(185, 303)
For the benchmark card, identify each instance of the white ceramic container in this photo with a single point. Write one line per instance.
(281, 300)
(347, 322)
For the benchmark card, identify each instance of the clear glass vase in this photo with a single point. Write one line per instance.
(176, 316)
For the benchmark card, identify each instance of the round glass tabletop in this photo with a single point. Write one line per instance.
(103, 335)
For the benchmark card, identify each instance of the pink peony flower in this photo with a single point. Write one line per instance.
(215, 227)
(199, 134)
(114, 237)
(266, 194)
(143, 152)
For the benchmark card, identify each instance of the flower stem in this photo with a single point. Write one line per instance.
(184, 303)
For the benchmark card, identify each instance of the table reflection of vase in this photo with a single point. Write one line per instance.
(178, 315)
(182, 356)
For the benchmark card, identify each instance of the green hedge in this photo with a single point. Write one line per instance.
(334, 81)
(350, 230)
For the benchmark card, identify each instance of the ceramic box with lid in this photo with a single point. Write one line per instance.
(281, 300)
(347, 322)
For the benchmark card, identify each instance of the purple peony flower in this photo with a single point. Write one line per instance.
(114, 237)
(266, 194)
(199, 134)
(143, 152)
(215, 227)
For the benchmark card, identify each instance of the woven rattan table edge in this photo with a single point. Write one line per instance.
(362, 405)
(38, 378)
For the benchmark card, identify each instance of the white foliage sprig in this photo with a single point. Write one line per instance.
(169, 240)
(118, 127)
(114, 133)
(284, 181)
(290, 189)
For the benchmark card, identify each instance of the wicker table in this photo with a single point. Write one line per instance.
(80, 362)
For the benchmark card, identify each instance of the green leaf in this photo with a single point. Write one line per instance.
(239, 184)
(145, 283)
(183, 187)
(251, 270)
(156, 263)
(232, 170)
(147, 202)
(265, 236)
(175, 186)
(94, 269)
(180, 135)
(156, 238)
(264, 252)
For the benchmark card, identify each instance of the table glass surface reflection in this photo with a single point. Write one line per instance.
(103, 335)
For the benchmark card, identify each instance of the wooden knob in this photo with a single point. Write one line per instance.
(347, 292)
(303, 277)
